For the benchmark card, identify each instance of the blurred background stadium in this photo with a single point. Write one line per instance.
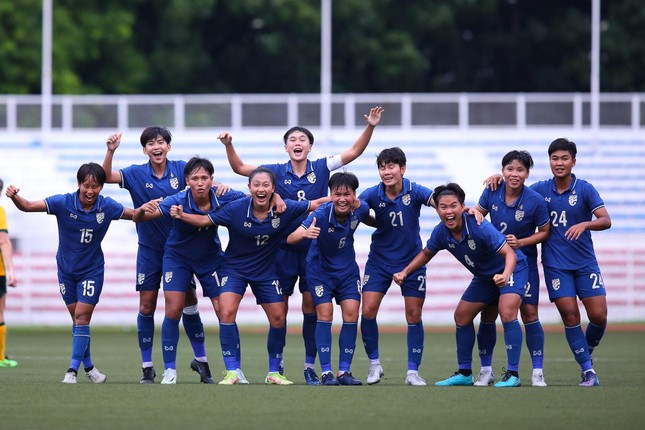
(462, 83)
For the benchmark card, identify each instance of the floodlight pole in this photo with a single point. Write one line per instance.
(46, 74)
(325, 70)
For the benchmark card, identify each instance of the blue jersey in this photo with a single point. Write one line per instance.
(478, 248)
(80, 233)
(396, 240)
(333, 250)
(252, 245)
(310, 186)
(143, 185)
(519, 218)
(189, 242)
(577, 204)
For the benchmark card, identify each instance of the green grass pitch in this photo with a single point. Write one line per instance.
(32, 396)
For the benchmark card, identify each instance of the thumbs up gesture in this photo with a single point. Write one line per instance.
(312, 232)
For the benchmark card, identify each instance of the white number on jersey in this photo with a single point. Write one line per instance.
(502, 227)
(469, 261)
(301, 195)
(88, 288)
(559, 220)
(596, 281)
(422, 282)
(86, 235)
(262, 239)
(396, 218)
(341, 243)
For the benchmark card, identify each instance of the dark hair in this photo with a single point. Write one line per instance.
(259, 170)
(343, 179)
(300, 129)
(391, 155)
(152, 132)
(563, 144)
(196, 163)
(91, 170)
(450, 189)
(523, 157)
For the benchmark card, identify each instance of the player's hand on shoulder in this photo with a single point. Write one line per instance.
(374, 117)
(221, 189)
(176, 211)
(493, 181)
(113, 141)
(277, 204)
(226, 138)
(479, 217)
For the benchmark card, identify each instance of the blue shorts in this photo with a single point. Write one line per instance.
(584, 282)
(378, 279)
(265, 290)
(325, 286)
(291, 265)
(85, 288)
(149, 268)
(532, 288)
(178, 274)
(484, 290)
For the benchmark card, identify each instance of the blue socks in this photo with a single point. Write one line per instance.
(323, 344)
(578, 345)
(169, 341)
(194, 330)
(465, 336)
(309, 336)
(146, 335)
(415, 345)
(276, 340)
(513, 341)
(80, 341)
(369, 332)
(486, 340)
(535, 343)
(593, 335)
(347, 345)
(228, 339)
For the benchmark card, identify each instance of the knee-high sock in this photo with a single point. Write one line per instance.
(415, 345)
(238, 348)
(369, 333)
(276, 339)
(309, 336)
(535, 343)
(465, 336)
(513, 341)
(228, 339)
(3, 340)
(146, 335)
(323, 344)
(347, 345)
(169, 341)
(79, 345)
(578, 345)
(593, 335)
(195, 331)
(486, 340)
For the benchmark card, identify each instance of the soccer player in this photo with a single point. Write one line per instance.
(517, 211)
(189, 251)
(333, 273)
(256, 232)
(499, 277)
(7, 279)
(157, 178)
(302, 179)
(397, 203)
(83, 219)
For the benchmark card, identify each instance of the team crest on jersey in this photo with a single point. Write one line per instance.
(311, 178)
(100, 216)
(319, 290)
(519, 215)
(174, 183)
(406, 199)
(471, 244)
(555, 284)
(275, 222)
(353, 224)
(141, 277)
(168, 277)
(573, 199)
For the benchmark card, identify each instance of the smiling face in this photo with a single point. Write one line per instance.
(343, 199)
(515, 173)
(450, 211)
(89, 191)
(157, 149)
(391, 174)
(561, 163)
(298, 146)
(261, 187)
(200, 183)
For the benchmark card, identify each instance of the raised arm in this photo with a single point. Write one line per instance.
(24, 204)
(304, 233)
(234, 160)
(352, 153)
(421, 259)
(113, 141)
(177, 212)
